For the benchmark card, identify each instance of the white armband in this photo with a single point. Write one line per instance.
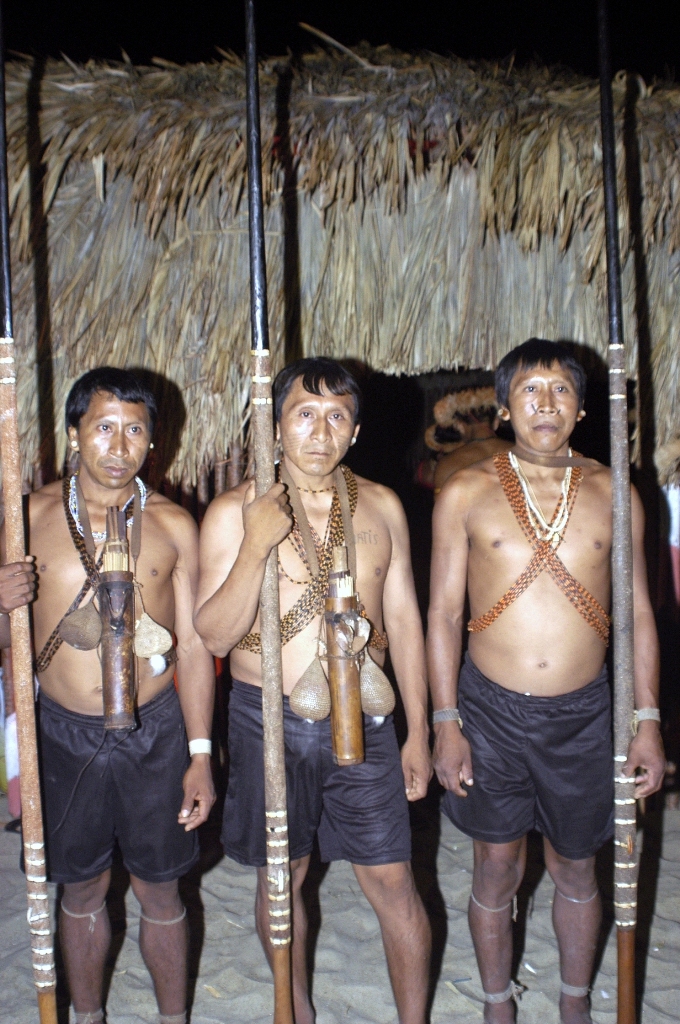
(200, 747)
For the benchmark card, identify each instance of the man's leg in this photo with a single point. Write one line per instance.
(85, 935)
(163, 939)
(304, 1012)
(577, 913)
(391, 891)
(498, 871)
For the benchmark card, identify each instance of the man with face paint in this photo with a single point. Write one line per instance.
(140, 789)
(360, 813)
(523, 731)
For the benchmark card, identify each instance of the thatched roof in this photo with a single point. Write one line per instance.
(446, 211)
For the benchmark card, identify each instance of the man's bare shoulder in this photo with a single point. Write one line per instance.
(45, 497)
(598, 475)
(470, 485)
(164, 514)
(378, 497)
(226, 510)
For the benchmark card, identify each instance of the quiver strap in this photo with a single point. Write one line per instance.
(85, 547)
(341, 531)
(54, 641)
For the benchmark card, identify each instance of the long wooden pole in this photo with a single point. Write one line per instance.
(625, 861)
(276, 825)
(42, 942)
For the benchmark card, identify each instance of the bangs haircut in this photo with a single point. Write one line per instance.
(316, 372)
(108, 380)
(538, 352)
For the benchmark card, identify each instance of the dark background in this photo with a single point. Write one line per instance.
(645, 36)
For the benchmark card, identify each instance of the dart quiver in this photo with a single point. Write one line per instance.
(116, 608)
(346, 635)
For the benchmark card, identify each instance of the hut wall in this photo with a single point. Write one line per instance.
(424, 271)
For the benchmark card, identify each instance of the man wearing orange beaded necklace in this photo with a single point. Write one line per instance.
(358, 812)
(523, 731)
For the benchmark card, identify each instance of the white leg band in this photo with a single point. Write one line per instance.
(95, 1017)
(492, 910)
(497, 910)
(574, 990)
(571, 898)
(93, 920)
(511, 992)
(174, 920)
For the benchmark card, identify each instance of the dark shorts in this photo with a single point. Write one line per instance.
(359, 812)
(538, 762)
(131, 792)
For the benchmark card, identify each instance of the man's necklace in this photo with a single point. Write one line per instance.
(544, 530)
(98, 536)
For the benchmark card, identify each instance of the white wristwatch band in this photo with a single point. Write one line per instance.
(200, 747)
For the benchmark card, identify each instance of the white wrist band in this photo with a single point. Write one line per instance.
(447, 715)
(645, 714)
(200, 747)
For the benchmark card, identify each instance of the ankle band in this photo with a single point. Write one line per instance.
(513, 991)
(93, 920)
(172, 1018)
(571, 898)
(574, 990)
(174, 920)
(92, 1017)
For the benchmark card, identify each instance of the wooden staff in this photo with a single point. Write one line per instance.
(42, 942)
(625, 863)
(276, 825)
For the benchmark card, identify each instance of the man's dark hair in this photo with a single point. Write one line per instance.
(316, 372)
(108, 380)
(537, 352)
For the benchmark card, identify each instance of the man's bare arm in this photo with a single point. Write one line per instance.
(238, 532)
(407, 651)
(448, 578)
(195, 675)
(645, 752)
(18, 581)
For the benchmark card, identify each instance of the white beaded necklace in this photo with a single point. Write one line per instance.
(543, 529)
(98, 536)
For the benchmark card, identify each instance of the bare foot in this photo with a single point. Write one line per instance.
(575, 1009)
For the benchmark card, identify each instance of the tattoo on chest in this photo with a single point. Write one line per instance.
(366, 537)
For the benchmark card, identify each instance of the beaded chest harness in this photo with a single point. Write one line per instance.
(544, 557)
(311, 602)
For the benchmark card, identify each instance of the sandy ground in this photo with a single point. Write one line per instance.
(232, 983)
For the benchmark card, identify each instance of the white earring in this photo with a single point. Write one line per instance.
(74, 445)
(151, 445)
(353, 441)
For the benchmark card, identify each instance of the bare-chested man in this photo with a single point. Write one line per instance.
(360, 813)
(523, 734)
(139, 788)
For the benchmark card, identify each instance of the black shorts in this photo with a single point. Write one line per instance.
(538, 762)
(131, 792)
(359, 812)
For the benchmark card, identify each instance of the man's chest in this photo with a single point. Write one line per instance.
(500, 538)
(62, 573)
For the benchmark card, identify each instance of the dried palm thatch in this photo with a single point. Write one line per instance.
(444, 212)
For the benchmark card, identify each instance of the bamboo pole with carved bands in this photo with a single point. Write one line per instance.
(276, 824)
(38, 915)
(625, 860)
